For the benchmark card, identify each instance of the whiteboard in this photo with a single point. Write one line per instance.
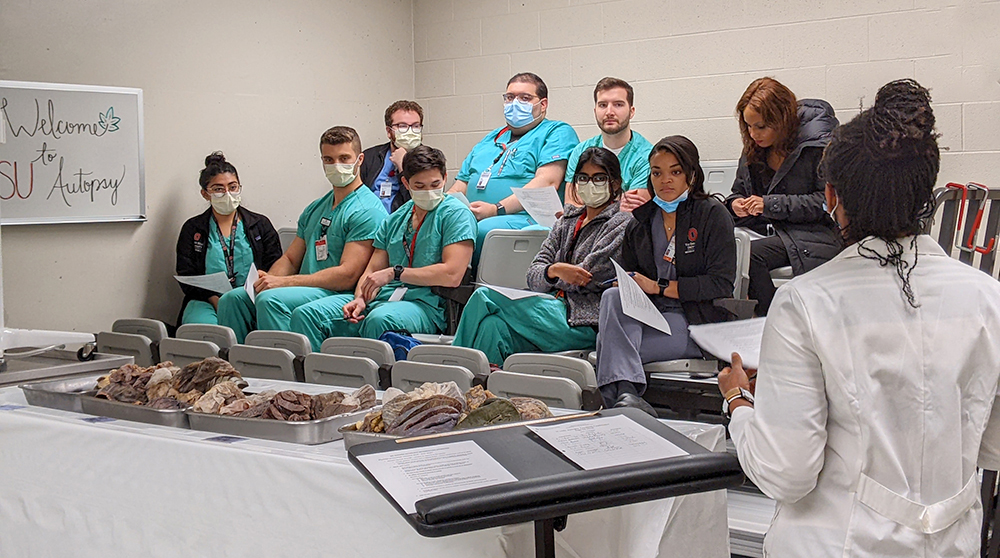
(70, 154)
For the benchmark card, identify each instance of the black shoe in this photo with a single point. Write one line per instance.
(632, 400)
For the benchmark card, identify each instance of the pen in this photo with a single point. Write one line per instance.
(613, 279)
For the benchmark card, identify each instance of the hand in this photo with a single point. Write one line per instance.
(572, 274)
(634, 198)
(739, 207)
(354, 311)
(647, 285)
(482, 210)
(371, 285)
(215, 302)
(267, 281)
(754, 205)
(734, 376)
(397, 158)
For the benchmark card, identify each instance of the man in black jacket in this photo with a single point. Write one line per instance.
(380, 170)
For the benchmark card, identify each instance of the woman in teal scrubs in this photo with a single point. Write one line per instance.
(573, 265)
(225, 238)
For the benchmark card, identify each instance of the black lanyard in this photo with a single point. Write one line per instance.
(229, 252)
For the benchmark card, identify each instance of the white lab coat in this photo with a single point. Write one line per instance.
(871, 415)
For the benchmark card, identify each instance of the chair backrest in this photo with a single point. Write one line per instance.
(134, 345)
(339, 370)
(472, 359)
(185, 351)
(408, 375)
(296, 343)
(285, 236)
(506, 256)
(222, 336)
(154, 330)
(554, 392)
(378, 351)
(948, 215)
(263, 362)
(540, 364)
(719, 176)
(742, 264)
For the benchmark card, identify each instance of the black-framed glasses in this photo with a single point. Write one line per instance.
(523, 97)
(220, 191)
(402, 127)
(599, 180)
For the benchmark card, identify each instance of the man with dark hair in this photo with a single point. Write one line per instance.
(332, 245)
(380, 169)
(614, 110)
(530, 151)
(427, 242)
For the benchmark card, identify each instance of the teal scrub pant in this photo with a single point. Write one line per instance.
(516, 221)
(500, 327)
(272, 310)
(199, 312)
(325, 318)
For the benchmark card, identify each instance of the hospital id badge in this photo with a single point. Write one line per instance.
(484, 179)
(671, 250)
(321, 252)
(398, 294)
(385, 189)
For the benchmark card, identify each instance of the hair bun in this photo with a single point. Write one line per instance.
(215, 158)
(901, 118)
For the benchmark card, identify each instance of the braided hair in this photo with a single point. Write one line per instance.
(216, 164)
(883, 165)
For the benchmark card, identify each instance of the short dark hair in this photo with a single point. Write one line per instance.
(403, 105)
(528, 77)
(421, 158)
(608, 162)
(613, 83)
(216, 164)
(341, 134)
(686, 153)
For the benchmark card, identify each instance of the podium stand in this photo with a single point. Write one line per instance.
(549, 487)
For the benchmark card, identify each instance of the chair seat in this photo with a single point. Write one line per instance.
(264, 362)
(555, 392)
(340, 370)
(185, 351)
(408, 375)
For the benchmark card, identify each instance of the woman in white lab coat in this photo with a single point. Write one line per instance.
(879, 369)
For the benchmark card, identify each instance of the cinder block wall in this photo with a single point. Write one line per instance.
(689, 61)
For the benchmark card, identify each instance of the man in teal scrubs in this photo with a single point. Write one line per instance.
(530, 151)
(332, 245)
(614, 111)
(427, 242)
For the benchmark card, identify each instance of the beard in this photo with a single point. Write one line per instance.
(612, 128)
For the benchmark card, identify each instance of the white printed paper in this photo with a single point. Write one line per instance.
(409, 475)
(215, 282)
(251, 279)
(725, 338)
(541, 203)
(607, 442)
(515, 294)
(461, 197)
(635, 302)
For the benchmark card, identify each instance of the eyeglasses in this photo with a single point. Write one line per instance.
(403, 127)
(598, 179)
(523, 97)
(219, 191)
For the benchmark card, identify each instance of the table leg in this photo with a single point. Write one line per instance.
(545, 536)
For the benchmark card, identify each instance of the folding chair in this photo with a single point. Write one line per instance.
(277, 355)
(408, 375)
(339, 370)
(719, 176)
(579, 371)
(286, 235)
(554, 392)
(473, 360)
(507, 255)
(379, 351)
(136, 337)
(194, 342)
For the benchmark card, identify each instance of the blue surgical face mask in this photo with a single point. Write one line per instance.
(829, 211)
(671, 206)
(518, 113)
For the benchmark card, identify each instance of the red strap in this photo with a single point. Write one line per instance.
(413, 241)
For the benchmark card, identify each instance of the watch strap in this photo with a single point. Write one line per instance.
(397, 272)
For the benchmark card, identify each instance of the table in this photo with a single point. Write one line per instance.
(74, 487)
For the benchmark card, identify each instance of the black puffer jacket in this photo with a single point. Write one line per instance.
(793, 199)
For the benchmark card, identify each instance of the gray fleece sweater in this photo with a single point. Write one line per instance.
(596, 244)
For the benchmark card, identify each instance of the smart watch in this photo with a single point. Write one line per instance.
(397, 272)
(663, 284)
(501, 210)
(733, 395)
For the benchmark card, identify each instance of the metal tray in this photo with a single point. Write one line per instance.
(62, 394)
(353, 437)
(310, 432)
(137, 413)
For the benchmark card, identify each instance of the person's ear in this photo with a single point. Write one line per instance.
(388, 133)
(404, 181)
(361, 158)
(631, 113)
(206, 195)
(831, 196)
(544, 104)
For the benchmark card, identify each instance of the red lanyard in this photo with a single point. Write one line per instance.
(579, 225)
(413, 241)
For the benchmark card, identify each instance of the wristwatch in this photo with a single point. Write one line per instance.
(501, 210)
(397, 272)
(733, 395)
(663, 284)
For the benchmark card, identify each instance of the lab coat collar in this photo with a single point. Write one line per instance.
(926, 246)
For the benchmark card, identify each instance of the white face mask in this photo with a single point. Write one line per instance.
(592, 195)
(427, 200)
(227, 204)
(340, 174)
(408, 140)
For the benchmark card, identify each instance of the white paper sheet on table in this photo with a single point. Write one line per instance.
(607, 442)
(724, 339)
(215, 282)
(635, 302)
(515, 294)
(541, 203)
(413, 474)
(251, 279)
(461, 197)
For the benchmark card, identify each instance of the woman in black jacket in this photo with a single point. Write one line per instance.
(778, 193)
(681, 249)
(226, 238)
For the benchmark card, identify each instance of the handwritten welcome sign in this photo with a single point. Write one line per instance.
(70, 154)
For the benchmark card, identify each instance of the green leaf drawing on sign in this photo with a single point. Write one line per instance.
(109, 121)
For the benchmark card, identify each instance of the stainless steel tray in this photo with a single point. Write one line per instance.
(138, 413)
(62, 394)
(308, 432)
(353, 437)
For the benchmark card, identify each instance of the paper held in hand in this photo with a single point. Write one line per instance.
(251, 279)
(636, 303)
(514, 294)
(724, 339)
(541, 203)
(215, 282)
(460, 197)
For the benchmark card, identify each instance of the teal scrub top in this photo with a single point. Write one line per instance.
(450, 222)
(634, 159)
(549, 141)
(355, 219)
(215, 260)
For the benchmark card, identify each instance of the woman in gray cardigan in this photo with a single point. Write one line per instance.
(573, 267)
